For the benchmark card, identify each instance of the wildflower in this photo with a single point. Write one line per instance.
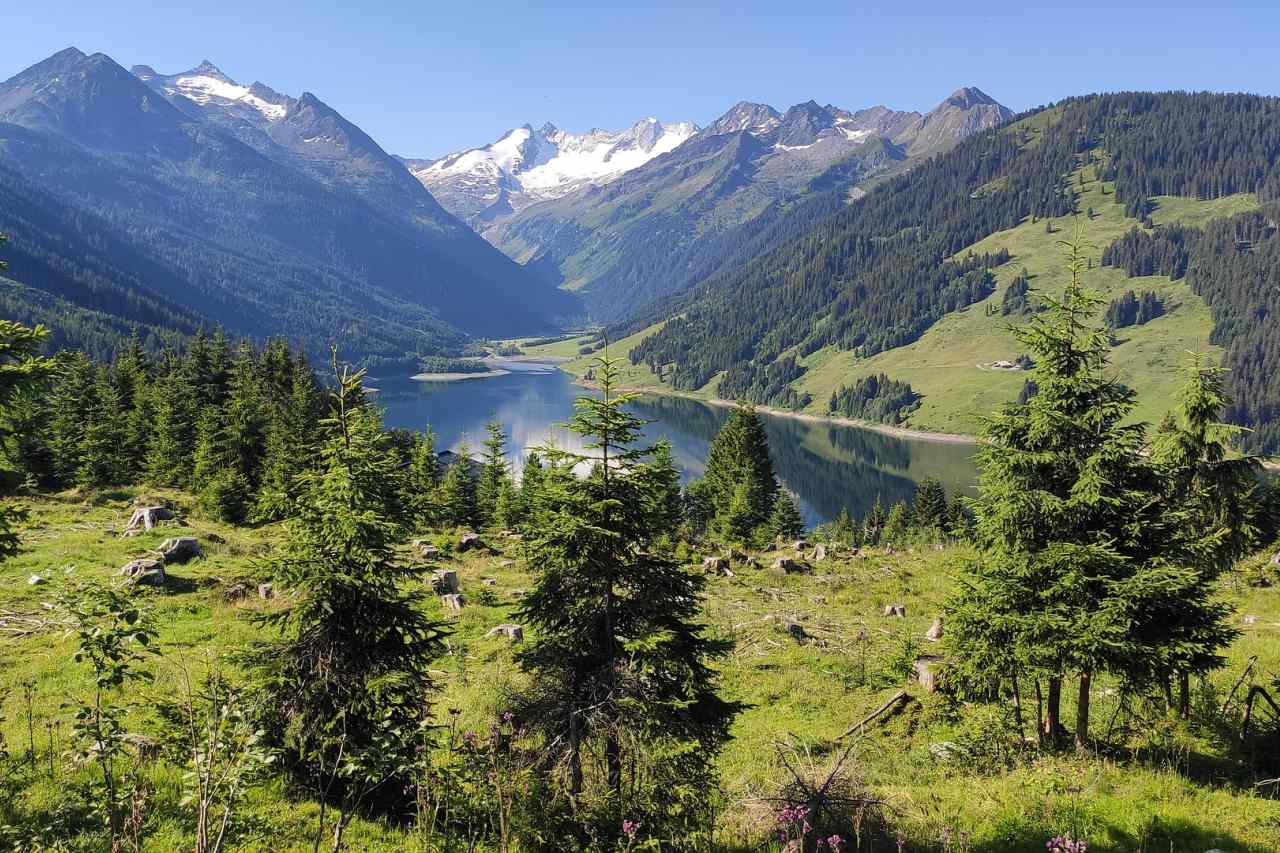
(630, 828)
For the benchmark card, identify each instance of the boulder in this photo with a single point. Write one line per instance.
(898, 610)
(454, 601)
(934, 634)
(146, 570)
(146, 517)
(180, 549)
(266, 591)
(514, 633)
(787, 566)
(444, 582)
(925, 670)
(468, 542)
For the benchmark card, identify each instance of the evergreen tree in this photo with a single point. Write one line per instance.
(896, 525)
(101, 460)
(71, 399)
(739, 474)
(21, 372)
(667, 510)
(423, 477)
(1072, 572)
(289, 443)
(493, 473)
(170, 456)
(618, 666)
(245, 416)
(931, 504)
(349, 681)
(531, 478)
(508, 510)
(131, 376)
(697, 506)
(457, 493)
(875, 521)
(786, 521)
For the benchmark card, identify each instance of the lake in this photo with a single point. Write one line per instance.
(828, 467)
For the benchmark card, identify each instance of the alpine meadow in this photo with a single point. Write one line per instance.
(825, 478)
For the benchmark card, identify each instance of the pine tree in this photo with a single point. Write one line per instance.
(667, 510)
(931, 504)
(457, 494)
(875, 521)
(131, 376)
(493, 472)
(531, 479)
(22, 371)
(1069, 531)
(245, 416)
(291, 428)
(101, 458)
(349, 681)
(170, 454)
(618, 667)
(896, 525)
(72, 396)
(786, 521)
(739, 474)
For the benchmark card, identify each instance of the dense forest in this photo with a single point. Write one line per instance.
(875, 398)
(877, 274)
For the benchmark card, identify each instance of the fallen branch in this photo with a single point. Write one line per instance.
(902, 697)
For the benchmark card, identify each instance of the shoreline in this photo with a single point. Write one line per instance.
(872, 426)
(457, 377)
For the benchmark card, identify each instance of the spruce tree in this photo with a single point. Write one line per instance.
(874, 522)
(531, 479)
(667, 510)
(101, 460)
(931, 504)
(786, 521)
(1069, 531)
(131, 376)
(290, 438)
(348, 684)
(739, 474)
(71, 399)
(423, 477)
(618, 667)
(22, 371)
(170, 454)
(456, 497)
(493, 473)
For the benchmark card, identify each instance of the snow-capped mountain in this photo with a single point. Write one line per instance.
(527, 165)
(207, 87)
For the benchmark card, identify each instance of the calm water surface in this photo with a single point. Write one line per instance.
(827, 467)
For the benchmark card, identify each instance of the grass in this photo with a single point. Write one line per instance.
(1187, 796)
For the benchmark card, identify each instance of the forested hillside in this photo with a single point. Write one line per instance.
(122, 199)
(877, 275)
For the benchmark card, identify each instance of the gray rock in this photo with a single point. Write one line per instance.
(898, 610)
(429, 551)
(146, 570)
(180, 549)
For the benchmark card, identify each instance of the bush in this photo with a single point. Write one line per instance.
(225, 498)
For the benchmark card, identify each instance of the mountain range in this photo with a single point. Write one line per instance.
(628, 217)
(268, 214)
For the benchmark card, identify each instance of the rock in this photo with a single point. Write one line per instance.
(266, 591)
(718, 565)
(36, 580)
(444, 582)
(145, 518)
(514, 633)
(454, 601)
(787, 566)
(468, 542)
(146, 570)
(180, 549)
(819, 552)
(898, 610)
(934, 634)
(925, 670)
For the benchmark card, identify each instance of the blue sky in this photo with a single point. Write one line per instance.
(424, 78)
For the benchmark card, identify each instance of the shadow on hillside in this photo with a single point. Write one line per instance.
(1157, 834)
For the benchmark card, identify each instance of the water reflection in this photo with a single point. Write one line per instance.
(828, 467)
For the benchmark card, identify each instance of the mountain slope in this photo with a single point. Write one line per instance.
(708, 203)
(526, 166)
(275, 219)
(855, 294)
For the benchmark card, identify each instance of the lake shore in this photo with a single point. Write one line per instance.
(884, 429)
(458, 377)
(495, 363)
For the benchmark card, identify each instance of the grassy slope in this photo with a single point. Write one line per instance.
(808, 692)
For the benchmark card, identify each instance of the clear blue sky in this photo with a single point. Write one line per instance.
(424, 78)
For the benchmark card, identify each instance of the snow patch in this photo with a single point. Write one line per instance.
(204, 90)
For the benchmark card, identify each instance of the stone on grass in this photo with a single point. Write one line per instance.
(180, 549)
(429, 551)
(454, 601)
(935, 630)
(898, 610)
(146, 570)
(514, 633)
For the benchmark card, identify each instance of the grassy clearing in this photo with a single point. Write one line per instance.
(1180, 793)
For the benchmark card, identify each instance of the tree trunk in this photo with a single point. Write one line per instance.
(1184, 695)
(1017, 706)
(1039, 714)
(575, 756)
(1053, 709)
(1082, 711)
(613, 762)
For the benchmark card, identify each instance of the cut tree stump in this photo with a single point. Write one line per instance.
(146, 517)
(925, 671)
(514, 633)
(898, 610)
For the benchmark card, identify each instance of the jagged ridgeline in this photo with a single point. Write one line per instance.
(881, 271)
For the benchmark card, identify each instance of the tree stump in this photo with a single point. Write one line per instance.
(514, 633)
(819, 552)
(897, 610)
(146, 517)
(716, 565)
(934, 634)
(147, 570)
(468, 542)
(266, 591)
(454, 601)
(787, 566)
(180, 549)
(925, 671)
(445, 582)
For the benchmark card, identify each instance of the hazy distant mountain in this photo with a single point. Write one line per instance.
(526, 165)
(723, 194)
(267, 213)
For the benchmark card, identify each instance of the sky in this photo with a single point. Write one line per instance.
(425, 78)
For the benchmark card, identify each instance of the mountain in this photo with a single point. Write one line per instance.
(262, 212)
(920, 279)
(526, 166)
(727, 193)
